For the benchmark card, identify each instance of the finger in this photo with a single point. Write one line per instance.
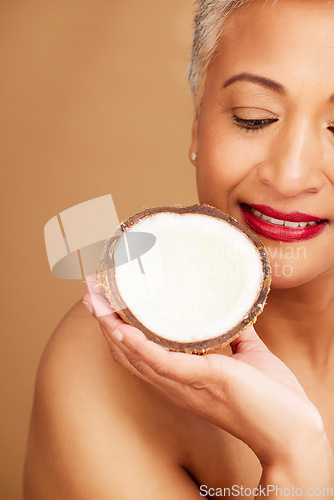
(179, 367)
(109, 322)
(119, 354)
(138, 367)
(149, 358)
(248, 340)
(93, 286)
(104, 308)
(100, 306)
(90, 283)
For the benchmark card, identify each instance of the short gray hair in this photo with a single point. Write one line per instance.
(209, 20)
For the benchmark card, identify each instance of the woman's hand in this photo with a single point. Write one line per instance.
(251, 394)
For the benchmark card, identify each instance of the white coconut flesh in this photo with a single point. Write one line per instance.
(200, 279)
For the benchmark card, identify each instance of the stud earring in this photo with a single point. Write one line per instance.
(193, 156)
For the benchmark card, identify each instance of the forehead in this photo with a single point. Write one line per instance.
(289, 40)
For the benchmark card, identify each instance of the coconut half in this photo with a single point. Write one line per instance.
(190, 278)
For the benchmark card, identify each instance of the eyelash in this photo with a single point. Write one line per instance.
(253, 125)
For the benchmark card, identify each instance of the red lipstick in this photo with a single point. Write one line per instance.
(277, 231)
(292, 216)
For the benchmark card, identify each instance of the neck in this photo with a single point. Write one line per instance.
(298, 325)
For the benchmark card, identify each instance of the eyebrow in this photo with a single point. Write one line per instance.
(265, 82)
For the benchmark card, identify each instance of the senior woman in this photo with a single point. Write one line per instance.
(258, 414)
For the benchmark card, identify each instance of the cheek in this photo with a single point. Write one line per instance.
(294, 265)
(228, 155)
(289, 264)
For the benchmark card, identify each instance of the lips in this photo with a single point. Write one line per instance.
(291, 217)
(282, 226)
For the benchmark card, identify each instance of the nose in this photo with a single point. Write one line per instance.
(296, 160)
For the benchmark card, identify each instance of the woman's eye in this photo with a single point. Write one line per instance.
(253, 124)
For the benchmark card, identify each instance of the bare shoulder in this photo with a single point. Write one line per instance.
(96, 430)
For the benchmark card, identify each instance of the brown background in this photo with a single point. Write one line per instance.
(94, 100)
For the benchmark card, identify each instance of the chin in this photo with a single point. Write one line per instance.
(292, 276)
(283, 282)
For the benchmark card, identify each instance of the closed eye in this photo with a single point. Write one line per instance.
(253, 124)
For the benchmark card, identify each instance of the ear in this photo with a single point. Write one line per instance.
(194, 141)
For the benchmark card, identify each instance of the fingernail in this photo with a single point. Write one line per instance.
(117, 335)
(89, 307)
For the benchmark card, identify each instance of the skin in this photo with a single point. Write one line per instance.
(188, 417)
(288, 165)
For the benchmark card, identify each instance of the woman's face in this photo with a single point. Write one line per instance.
(265, 132)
